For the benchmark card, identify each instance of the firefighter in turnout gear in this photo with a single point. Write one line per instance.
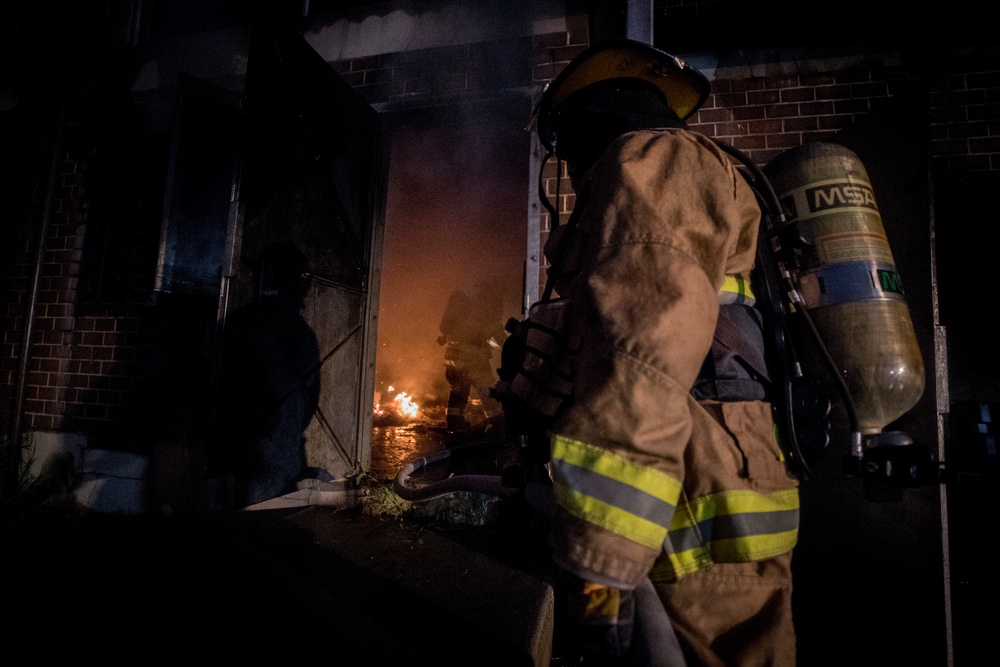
(471, 328)
(664, 460)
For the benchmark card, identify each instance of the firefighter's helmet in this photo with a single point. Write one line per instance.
(683, 87)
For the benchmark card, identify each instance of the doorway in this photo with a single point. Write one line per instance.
(455, 240)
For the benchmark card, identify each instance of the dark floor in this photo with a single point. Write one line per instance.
(348, 588)
(312, 582)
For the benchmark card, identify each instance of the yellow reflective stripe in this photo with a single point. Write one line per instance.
(697, 521)
(685, 562)
(735, 289)
(754, 547)
(601, 461)
(611, 518)
(736, 502)
(608, 490)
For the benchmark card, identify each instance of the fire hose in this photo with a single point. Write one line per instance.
(490, 485)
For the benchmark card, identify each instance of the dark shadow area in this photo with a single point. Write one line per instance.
(870, 584)
(304, 584)
(269, 382)
(966, 249)
(471, 328)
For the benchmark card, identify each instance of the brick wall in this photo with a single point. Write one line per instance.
(438, 74)
(765, 115)
(965, 116)
(90, 364)
(89, 360)
(86, 361)
(551, 54)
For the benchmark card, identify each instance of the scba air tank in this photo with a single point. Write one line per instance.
(847, 279)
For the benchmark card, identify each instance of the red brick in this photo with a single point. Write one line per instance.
(759, 156)
(91, 338)
(53, 366)
(765, 126)
(749, 143)
(853, 75)
(977, 129)
(797, 94)
(714, 115)
(720, 86)
(810, 137)
(731, 99)
(850, 106)
(817, 79)
(782, 110)
(984, 112)
(799, 124)
(85, 367)
(747, 84)
(947, 115)
(704, 128)
(764, 97)
(784, 140)
(748, 113)
(816, 108)
(832, 122)
(990, 145)
(361, 64)
(983, 80)
(44, 393)
(951, 147)
(781, 81)
(732, 129)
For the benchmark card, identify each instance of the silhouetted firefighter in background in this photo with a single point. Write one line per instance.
(471, 328)
(270, 380)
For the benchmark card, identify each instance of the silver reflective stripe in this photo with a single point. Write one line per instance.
(614, 493)
(731, 526)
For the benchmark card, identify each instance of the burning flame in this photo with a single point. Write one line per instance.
(406, 404)
(403, 405)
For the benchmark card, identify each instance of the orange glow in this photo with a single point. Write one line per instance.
(401, 408)
(406, 404)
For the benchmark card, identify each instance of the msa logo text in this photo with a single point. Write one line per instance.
(837, 195)
(890, 281)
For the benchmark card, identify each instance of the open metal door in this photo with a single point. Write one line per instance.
(299, 293)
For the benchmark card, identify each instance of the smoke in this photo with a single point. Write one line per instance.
(455, 216)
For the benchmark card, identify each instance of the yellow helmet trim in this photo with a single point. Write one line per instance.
(684, 88)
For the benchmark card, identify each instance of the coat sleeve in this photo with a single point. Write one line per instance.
(668, 219)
